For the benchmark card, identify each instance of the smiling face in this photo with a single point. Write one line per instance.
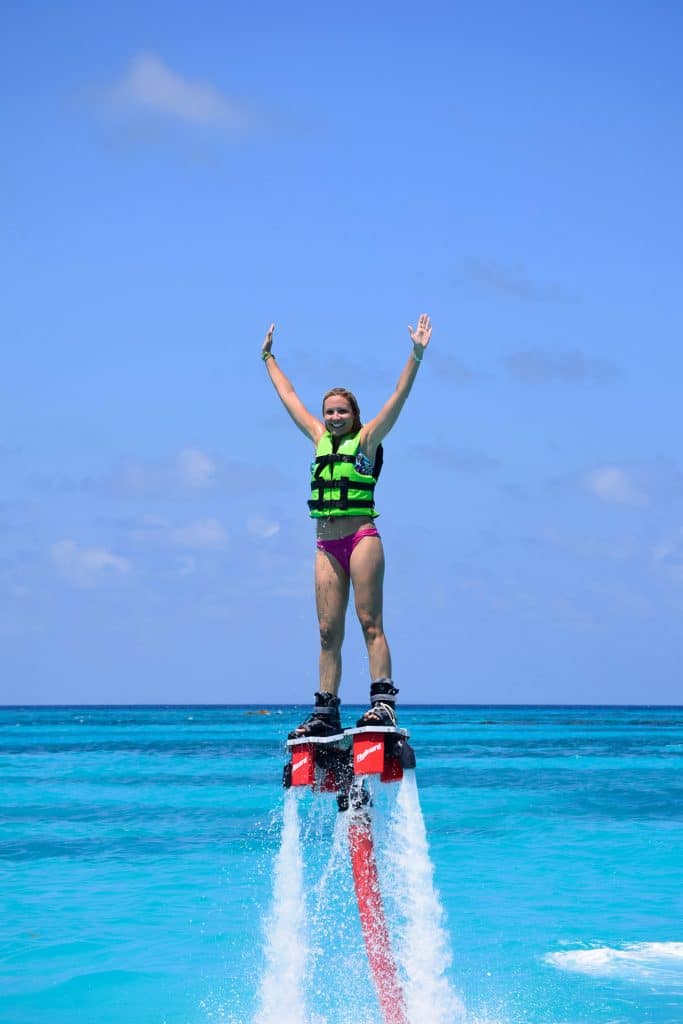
(340, 412)
(338, 415)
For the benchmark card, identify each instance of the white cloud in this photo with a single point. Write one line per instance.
(203, 533)
(194, 468)
(187, 474)
(614, 485)
(206, 534)
(190, 470)
(86, 567)
(668, 555)
(186, 566)
(260, 527)
(151, 87)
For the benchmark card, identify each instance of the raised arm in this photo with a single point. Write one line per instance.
(377, 429)
(305, 421)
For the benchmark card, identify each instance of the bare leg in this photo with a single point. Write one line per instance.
(367, 576)
(331, 599)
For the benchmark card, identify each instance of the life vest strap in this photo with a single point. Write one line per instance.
(322, 461)
(320, 505)
(343, 502)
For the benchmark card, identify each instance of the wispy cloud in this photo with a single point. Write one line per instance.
(512, 280)
(150, 87)
(191, 470)
(460, 460)
(260, 527)
(190, 473)
(580, 545)
(614, 485)
(451, 368)
(544, 365)
(86, 567)
(635, 482)
(202, 534)
(186, 566)
(668, 555)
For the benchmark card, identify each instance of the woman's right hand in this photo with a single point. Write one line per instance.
(267, 341)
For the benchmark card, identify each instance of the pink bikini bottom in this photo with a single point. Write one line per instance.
(341, 549)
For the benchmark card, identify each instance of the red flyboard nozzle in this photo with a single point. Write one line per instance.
(375, 931)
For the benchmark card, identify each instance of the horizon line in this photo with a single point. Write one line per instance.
(291, 704)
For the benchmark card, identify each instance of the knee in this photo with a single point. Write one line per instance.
(330, 636)
(371, 626)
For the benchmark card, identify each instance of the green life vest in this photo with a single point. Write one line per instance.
(338, 488)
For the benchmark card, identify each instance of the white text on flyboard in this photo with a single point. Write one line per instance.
(366, 753)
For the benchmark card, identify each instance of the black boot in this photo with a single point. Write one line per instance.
(382, 710)
(323, 721)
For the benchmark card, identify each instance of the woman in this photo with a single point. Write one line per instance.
(348, 459)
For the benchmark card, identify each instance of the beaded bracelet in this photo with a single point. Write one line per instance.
(265, 356)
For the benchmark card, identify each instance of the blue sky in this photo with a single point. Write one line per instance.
(178, 176)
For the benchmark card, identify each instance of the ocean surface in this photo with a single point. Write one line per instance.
(137, 853)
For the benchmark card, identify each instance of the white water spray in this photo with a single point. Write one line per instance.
(422, 948)
(282, 986)
(338, 853)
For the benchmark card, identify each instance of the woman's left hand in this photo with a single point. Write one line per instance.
(421, 336)
(268, 340)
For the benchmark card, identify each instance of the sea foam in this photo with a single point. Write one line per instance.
(652, 962)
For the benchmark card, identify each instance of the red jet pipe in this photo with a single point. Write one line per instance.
(375, 932)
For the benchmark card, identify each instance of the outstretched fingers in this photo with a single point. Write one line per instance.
(268, 340)
(423, 333)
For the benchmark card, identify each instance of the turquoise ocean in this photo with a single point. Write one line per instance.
(138, 848)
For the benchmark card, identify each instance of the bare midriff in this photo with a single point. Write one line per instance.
(336, 527)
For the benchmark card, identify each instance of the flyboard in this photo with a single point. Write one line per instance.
(342, 764)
